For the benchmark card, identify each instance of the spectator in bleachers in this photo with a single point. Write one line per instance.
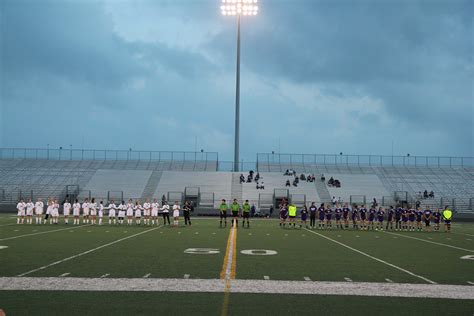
(425, 194)
(337, 183)
(302, 177)
(417, 204)
(431, 195)
(257, 177)
(374, 203)
(260, 186)
(287, 184)
(287, 172)
(333, 200)
(249, 179)
(242, 178)
(323, 178)
(331, 181)
(295, 182)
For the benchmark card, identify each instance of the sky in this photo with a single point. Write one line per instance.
(317, 76)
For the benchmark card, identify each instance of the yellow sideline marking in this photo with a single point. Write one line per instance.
(229, 266)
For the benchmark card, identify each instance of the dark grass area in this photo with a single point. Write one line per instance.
(171, 303)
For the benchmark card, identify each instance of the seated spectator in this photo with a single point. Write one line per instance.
(302, 177)
(331, 181)
(374, 202)
(431, 195)
(242, 178)
(249, 179)
(260, 186)
(251, 173)
(287, 184)
(257, 177)
(417, 204)
(323, 178)
(287, 172)
(333, 200)
(425, 194)
(337, 183)
(295, 182)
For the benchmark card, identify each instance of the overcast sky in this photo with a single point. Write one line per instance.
(318, 76)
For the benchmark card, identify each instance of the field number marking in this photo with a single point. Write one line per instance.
(202, 251)
(3, 247)
(468, 257)
(259, 252)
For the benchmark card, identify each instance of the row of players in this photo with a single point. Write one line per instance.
(408, 219)
(91, 211)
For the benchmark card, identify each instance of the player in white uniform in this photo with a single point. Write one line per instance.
(21, 212)
(49, 211)
(154, 212)
(93, 211)
(55, 212)
(76, 211)
(176, 209)
(112, 214)
(146, 212)
(30, 206)
(121, 212)
(165, 209)
(66, 211)
(85, 211)
(138, 213)
(101, 212)
(130, 212)
(39, 211)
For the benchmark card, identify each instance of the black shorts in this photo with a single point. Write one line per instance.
(246, 215)
(447, 221)
(427, 222)
(235, 214)
(223, 215)
(292, 217)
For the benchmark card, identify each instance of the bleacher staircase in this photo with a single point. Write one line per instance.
(322, 191)
(152, 184)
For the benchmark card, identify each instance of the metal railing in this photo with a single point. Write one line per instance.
(266, 159)
(243, 166)
(109, 155)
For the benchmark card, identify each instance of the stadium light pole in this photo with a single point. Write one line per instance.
(238, 8)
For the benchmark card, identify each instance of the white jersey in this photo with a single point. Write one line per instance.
(21, 208)
(76, 209)
(121, 210)
(129, 209)
(66, 209)
(93, 209)
(111, 208)
(138, 210)
(85, 208)
(165, 208)
(146, 209)
(39, 208)
(29, 208)
(176, 209)
(49, 209)
(154, 209)
(101, 210)
(55, 210)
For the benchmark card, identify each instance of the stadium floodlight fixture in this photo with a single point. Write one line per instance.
(238, 8)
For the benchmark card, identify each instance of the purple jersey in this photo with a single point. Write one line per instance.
(321, 213)
(380, 215)
(338, 212)
(372, 214)
(363, 213)
(390, 214)
(345, 212)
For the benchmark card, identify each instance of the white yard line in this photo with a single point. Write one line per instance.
(46, 232)
(307, 279)
(348, 279)
(389, 281)
(186, 276)
(65, 274)
(87, 252)
(432, 242)
(266, 277)
(471, 283)
(374, 258)
(146, 275)
(443, 291)
(105, 275)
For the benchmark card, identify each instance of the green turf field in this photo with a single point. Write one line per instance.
(67, 255)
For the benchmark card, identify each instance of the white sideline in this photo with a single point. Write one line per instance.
(88, 251)
(432, 242)
(46, 232)
(374, 258)
(443, 291)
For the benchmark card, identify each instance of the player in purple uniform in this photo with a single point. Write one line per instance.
(304, 216)
(363, 217)
(345, 215)
(419, 217)
(355, 216)
(411, 219)
(436, 219)
(328, 212)
(283, 214)
(338, 215)
(390, 214)
(312, 215)
(372, 213)
(404, 219)
(322, 215)
(380, 217)
(427, 219)
(398, 218)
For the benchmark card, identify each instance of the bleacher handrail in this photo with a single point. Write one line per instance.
(289, 159)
